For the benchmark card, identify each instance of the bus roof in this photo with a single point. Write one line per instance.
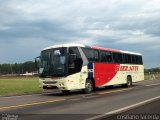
(65, 45)
(115, 50)
(93, 47)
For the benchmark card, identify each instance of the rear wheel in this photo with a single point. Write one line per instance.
(88, 86)
(129, 81)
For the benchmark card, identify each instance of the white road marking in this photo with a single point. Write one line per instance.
(124, 108)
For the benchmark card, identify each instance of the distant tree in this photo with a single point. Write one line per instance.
(29, 66)
(17, 68)
(157, 69)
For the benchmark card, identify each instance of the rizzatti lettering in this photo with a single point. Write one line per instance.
(126, 68)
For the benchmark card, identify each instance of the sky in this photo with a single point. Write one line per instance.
(27, 26)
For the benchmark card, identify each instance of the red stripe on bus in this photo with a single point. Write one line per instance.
(103, 73)
(105, 49)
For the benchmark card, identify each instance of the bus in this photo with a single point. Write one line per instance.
(68, 67)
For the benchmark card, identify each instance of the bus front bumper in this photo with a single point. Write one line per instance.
(50, 84)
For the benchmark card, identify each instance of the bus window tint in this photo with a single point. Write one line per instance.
(105, 56)
(75, 60)
(92, 55)
(117, 57)
(140, 60)
(133, 59)
(127, 58)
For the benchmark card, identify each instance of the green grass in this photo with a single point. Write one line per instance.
(149, 76)
(18, 85)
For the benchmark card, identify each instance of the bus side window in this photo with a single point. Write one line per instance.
(105, 56)
(117, 57)
(75, 60)
(92, 55)
(133, 59)
(140, 60)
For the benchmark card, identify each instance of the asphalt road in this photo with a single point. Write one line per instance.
(107, 103)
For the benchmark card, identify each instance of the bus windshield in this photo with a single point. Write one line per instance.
(53, 62)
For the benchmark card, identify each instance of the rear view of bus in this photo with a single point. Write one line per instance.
(69, 67)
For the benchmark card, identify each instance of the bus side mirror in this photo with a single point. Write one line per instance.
(37, 61)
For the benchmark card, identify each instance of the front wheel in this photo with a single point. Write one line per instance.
(88, 86)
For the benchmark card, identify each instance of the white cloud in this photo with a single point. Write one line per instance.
(137, 37)
(115, 22)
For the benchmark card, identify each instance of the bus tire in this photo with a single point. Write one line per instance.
(129, 81)
(65, 92)
(88, 86)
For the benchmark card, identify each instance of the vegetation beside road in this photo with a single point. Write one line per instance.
(19, 85)
(18, 68)
(151, 76)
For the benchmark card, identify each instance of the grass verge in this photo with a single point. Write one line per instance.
(18, 85)
(152, 76)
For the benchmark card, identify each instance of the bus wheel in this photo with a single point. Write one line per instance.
(88, 87)
(129, 81)
(65, 91)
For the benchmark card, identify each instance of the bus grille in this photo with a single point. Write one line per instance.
(49, 82)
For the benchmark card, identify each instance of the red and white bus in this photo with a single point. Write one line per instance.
(74, 66)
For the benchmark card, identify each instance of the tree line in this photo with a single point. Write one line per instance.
(18, 68)
(152, 70)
